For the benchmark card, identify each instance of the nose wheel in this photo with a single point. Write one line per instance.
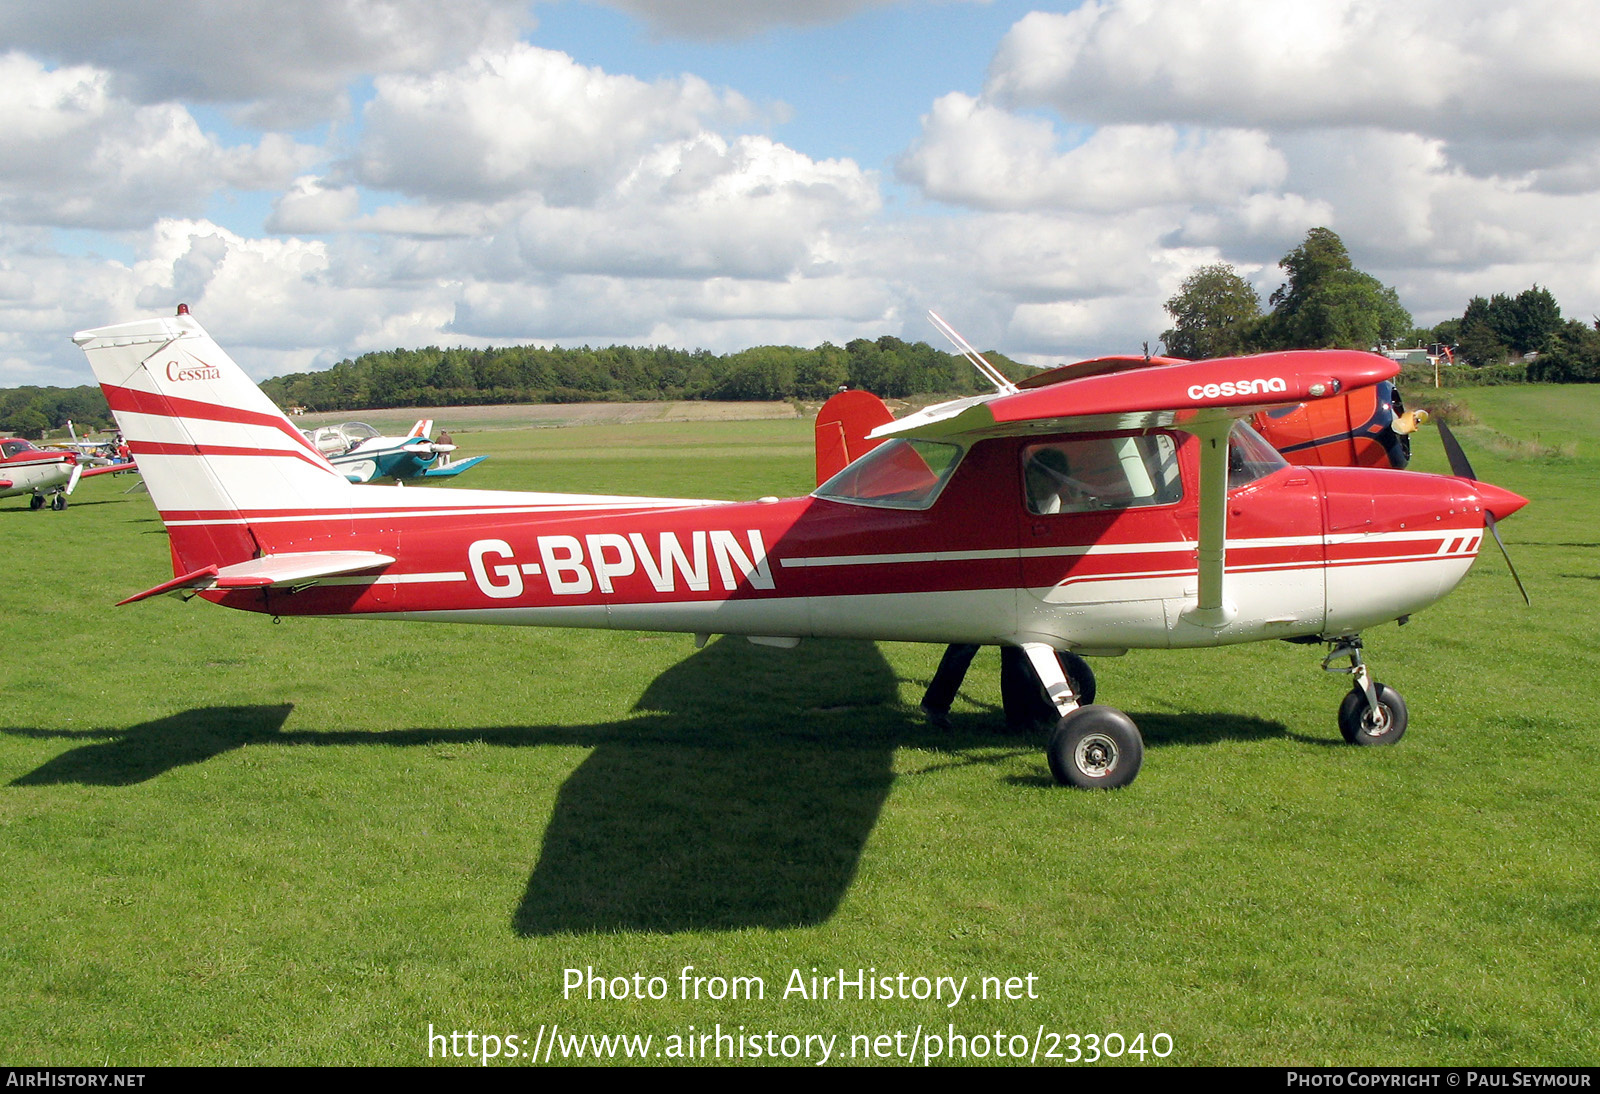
(1372, 713)
(1095, 748)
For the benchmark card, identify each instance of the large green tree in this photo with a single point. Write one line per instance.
(1213, 314)
(1328, 303)
(1571, 356)
(1492, 328)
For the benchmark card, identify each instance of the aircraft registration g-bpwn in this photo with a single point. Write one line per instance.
(1097, 514)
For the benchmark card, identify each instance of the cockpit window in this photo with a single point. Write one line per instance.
(1094, 473)
(1250, 457)
(898, 474)
(11, 448)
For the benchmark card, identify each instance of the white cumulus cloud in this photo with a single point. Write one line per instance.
(72, 153)
(973, 153)
(1451, 68)
(525, 120)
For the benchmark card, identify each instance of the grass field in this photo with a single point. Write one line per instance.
(228, 842)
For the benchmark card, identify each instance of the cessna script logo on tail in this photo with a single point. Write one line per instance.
(1237, 387)
(199, 370)
(574, 567)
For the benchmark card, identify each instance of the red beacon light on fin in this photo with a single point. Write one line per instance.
(183, 309)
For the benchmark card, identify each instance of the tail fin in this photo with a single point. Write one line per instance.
(842, 427)
(421, 429)
(212, 448)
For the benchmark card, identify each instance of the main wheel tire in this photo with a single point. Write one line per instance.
(1027, 706)
(1362, 725)
(1095, 748)
(36, 502)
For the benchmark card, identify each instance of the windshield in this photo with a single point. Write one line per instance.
(898, 474)
(1250, 457)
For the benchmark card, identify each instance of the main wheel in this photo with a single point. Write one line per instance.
(36, 502)
(1363, 725)
(1095, 748)
(1027, 706)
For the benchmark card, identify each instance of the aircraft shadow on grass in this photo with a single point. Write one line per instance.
(740, 795)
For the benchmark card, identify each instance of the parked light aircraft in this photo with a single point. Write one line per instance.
(1092, 515)
(45, 474)
(362, 454)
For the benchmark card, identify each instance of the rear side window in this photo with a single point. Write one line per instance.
(1088, 474)
(898, 474)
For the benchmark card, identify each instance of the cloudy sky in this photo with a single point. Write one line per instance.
(318, 178)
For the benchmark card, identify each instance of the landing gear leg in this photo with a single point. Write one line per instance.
(1028, 708)
(1372, 713)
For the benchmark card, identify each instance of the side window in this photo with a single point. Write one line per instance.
(1094, 473)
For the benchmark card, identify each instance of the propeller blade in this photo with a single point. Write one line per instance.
(1489, 521)
(1460, 466)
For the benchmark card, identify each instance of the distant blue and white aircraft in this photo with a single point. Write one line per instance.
(361, 454)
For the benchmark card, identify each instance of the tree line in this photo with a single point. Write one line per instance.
(432, 376)
(1327, 303)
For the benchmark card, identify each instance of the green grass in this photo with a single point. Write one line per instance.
(224, 841)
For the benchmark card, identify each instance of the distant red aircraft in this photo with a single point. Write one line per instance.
(1079, 513)
(46, 475)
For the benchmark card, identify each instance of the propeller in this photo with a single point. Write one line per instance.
(1461, 467)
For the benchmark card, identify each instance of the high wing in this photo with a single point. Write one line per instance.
(1164, 393)
(1204, 398)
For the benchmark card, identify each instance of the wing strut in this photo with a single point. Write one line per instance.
(1211, 607)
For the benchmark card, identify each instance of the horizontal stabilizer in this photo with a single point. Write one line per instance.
(261, 573)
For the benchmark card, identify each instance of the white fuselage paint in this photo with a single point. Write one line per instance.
(1134, 610)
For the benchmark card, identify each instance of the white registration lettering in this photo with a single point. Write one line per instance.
(752, 566)
(604, 568)
(568, 561)
(501, 590)
(573, 571)
(674, 562)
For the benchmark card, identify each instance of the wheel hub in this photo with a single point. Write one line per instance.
(1096, 755)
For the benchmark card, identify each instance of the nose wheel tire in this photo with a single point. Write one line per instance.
(1363, 724)
(1095, 748)
(59, 502)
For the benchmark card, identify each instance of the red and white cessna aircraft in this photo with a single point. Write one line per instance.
(1096, 514)
(46, 474)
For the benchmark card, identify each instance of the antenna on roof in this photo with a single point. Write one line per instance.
(990, 373)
